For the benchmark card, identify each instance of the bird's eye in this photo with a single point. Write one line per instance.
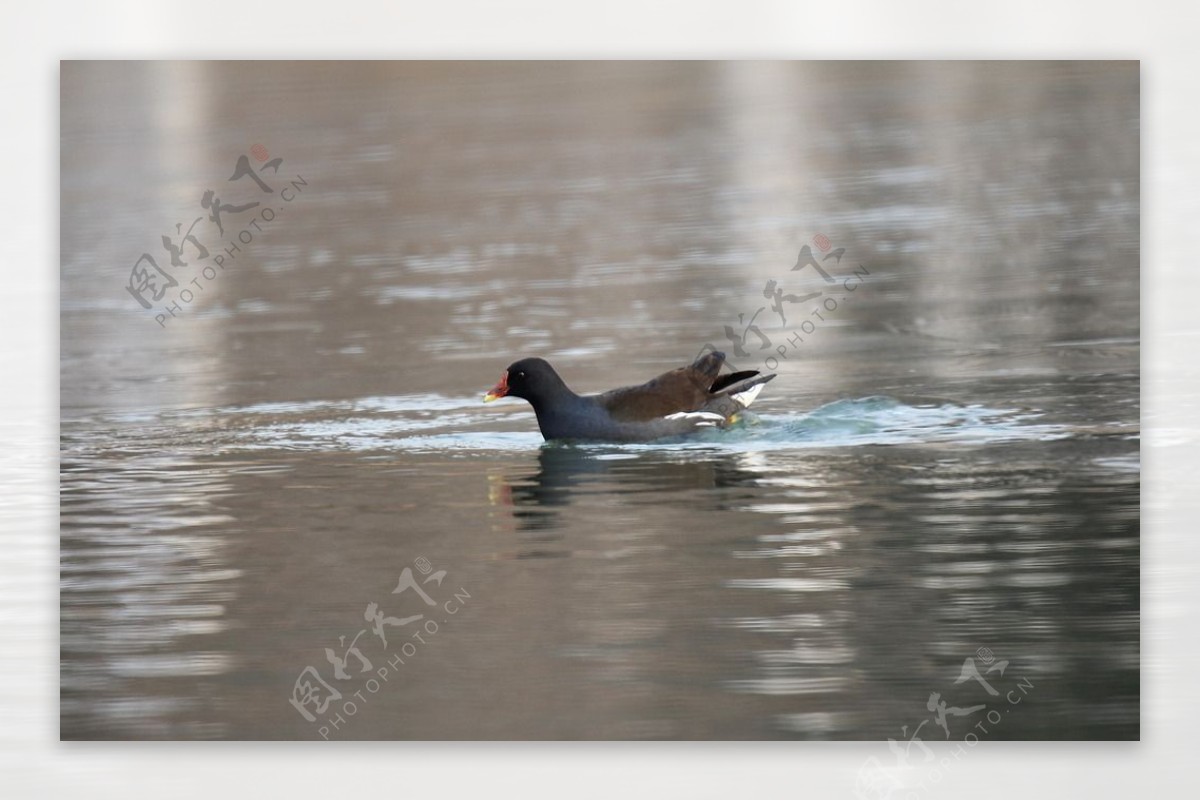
(521, 374)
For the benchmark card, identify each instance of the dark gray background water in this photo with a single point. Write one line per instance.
(948, 462)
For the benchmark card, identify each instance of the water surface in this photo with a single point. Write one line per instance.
(945, 469)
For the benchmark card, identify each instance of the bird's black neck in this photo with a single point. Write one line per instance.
(556, 406)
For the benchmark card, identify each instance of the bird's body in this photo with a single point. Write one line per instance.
(675, 403)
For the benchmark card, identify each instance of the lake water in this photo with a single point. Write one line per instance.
(939, 493)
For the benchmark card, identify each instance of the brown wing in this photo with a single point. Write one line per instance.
(684, 389)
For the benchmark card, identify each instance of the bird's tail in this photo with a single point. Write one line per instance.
(736, 392)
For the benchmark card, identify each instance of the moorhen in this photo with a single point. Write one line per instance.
(678, 402)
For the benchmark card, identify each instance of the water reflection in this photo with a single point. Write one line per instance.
(146, 577)
(827, 574)
(566, 472)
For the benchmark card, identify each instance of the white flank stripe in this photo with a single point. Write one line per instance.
(696, 416)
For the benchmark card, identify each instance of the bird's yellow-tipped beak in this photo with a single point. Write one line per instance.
(498, 391)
